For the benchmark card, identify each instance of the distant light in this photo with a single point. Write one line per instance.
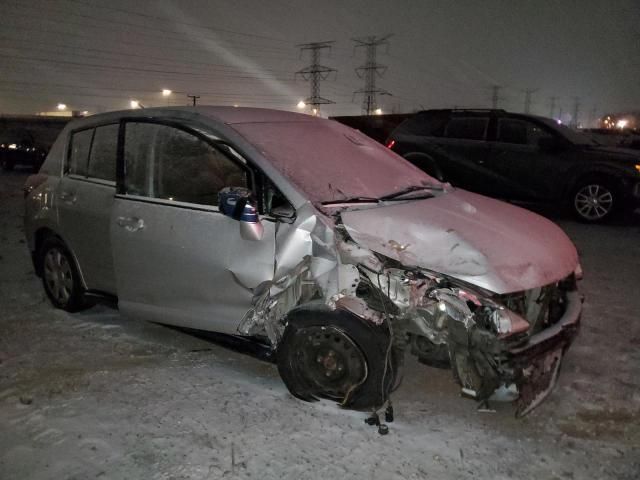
(315, 111)
(391, 143)
(61, 106)
(166, 92)
(12, 146)
(135, 104)
(622, 123)
(638, 167)
(235, 105)
(559, 121)
(301, 104)
(378, 111)
(85, 112)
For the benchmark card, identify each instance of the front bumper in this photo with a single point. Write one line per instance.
(538, 360)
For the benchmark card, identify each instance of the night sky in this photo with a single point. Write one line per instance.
(98, 56)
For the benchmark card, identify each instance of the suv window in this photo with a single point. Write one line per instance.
(79, 152)
(102, 161)
(425, 124)
(469, 128)
(165, 162)
(520, 132)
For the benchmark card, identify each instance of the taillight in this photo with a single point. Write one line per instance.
(391, 143)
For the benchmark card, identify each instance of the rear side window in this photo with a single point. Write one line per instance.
(79, 152)
(468, 128)
(104, 149)
(424, 124)
(165, 162)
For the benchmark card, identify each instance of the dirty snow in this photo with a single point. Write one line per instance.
(96, 395)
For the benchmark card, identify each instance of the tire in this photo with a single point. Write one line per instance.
(336, 355)
(60, 276)
(595, 200)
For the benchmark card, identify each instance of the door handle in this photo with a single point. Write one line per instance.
(130, 224)
(68, 197)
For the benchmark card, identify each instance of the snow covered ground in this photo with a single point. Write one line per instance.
(96, 395)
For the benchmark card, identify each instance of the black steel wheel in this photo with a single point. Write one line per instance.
(60, 276)
(338, 356)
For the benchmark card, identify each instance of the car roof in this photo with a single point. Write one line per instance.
(227, 115)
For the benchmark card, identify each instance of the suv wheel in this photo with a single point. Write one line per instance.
(60, 276)
(594, 200)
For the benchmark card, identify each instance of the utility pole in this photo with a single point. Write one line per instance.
(370, 71)
(527, 99)
(552, 109)
(576, 110)
(314, 73)
(194, 98)
(495, 96)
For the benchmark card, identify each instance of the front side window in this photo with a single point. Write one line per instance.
(165, 162)
(79, 152)
(520, 132)
(102, 160)
(469, 128)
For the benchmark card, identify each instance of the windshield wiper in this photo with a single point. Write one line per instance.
(351, 200)
(415, 188)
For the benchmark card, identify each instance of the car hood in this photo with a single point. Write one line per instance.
(485, 242)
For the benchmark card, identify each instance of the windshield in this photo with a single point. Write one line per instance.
(330, 162)
(578, 138)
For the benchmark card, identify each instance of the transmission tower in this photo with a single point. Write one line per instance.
(315, 72)
(370, 71)
(495, 96)
(576, 111)
(527, 99)
(552, 106)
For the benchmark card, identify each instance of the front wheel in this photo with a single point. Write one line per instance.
(60, 277)
(337, 356)
(594, 201)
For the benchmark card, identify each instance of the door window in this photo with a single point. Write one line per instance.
(102, 161)
(469, 128)
(520, 132)
(79, 152)
(165, 162)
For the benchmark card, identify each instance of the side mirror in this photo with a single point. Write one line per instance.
(284, 213)
(549, 144)
(238, 203)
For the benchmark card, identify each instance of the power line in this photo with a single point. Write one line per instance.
(315, 72)
(371, 71)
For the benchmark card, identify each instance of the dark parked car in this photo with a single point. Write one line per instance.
(21, 154)
(523, 158)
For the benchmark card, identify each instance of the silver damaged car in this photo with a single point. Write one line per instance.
(309, 238)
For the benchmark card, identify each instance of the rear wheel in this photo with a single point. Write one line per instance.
(60, 276)
(337, 356)
(594, 200)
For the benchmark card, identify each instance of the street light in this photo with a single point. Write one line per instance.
(166, 92)
(62, 106)
(301, 104)
(136, 104)
(378, 111)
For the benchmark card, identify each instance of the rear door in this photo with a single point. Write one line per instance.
(526, 169)
(84, 200)
(178, 259)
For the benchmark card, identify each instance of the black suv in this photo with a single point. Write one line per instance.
(521, 157)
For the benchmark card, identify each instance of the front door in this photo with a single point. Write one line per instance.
(178, 259)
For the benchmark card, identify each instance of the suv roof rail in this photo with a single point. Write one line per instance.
(496, 110)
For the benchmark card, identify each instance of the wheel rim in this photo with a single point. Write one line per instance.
(329, 360)
(57, 275)
(593, 201)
